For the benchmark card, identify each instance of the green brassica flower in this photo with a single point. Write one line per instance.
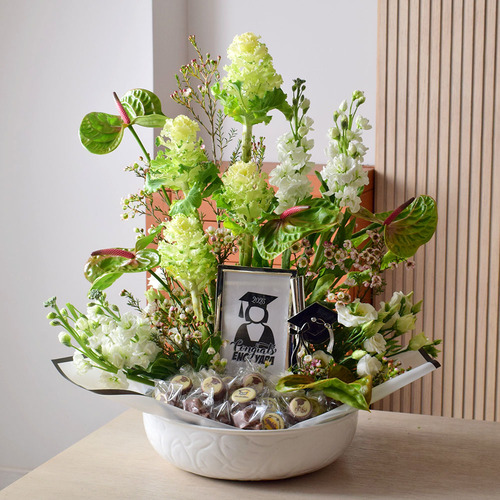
(246, 194)
(180, 165)
(251, 65)
(252, 86)
(185, 255)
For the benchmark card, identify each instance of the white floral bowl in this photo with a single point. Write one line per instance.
(246, 455)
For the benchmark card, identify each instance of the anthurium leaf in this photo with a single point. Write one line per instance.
(414, 227)
(278, 234)
(100, 265)
(105, 280)
(293, 382)
(101, 133)
(342, 373)
(356, 394)
(365, 214)
(150, 121)
(144, 261)
(141, 102)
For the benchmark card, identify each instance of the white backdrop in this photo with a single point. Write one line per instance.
(60, 59)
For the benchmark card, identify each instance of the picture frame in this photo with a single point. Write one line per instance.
(253, 307)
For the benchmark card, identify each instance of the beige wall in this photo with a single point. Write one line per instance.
(438, 133)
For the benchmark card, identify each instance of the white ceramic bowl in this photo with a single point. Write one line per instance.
(250, 455)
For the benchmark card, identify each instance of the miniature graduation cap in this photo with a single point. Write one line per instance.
(256, 299)
(314, 324)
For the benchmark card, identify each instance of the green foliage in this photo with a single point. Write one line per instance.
(101, 133)
(356, 394)
(278, 234)
(103, 270)
(414, 227)
(254, 110)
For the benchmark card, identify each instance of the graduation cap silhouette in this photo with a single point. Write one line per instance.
(313, 324)
(255, 299)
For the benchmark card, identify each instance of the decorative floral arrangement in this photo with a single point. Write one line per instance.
(260, 218)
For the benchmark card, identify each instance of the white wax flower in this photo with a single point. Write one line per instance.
(368, 365)
(356, 313)
(375, 344)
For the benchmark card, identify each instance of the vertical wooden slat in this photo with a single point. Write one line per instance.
(490, 193)
(493, 302)
(431, 188)
(442, 174)
(391, 128)
(440, 135)
(473, 396)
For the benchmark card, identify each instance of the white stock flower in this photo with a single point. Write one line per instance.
(363, 123)
(114, 380)
(81, 363)
(356, 313)
(65, 339)
(368, 365)
(376, 344)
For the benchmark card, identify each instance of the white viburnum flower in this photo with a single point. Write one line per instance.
(368, 365)
(376, 344)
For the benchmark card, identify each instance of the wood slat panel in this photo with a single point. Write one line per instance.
(437, 133)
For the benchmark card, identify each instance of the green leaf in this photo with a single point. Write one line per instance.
(415, 227)
(101, 265)
(105, 280)
(365, 214)
(388, 259)
(152, 184)
(150, 121)
(204, 358)
(342, 373)
(101, 133)
(356, 394)
(163, 368)
(323, 283)
(279, 234)
(141, 102)
(206, 183)
(293, 382)
(190, 203)
(146, 240)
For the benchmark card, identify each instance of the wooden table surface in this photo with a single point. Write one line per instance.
(393, 455)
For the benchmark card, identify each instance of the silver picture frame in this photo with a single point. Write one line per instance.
(252, 311)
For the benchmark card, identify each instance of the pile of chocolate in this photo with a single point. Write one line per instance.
(246, 401)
